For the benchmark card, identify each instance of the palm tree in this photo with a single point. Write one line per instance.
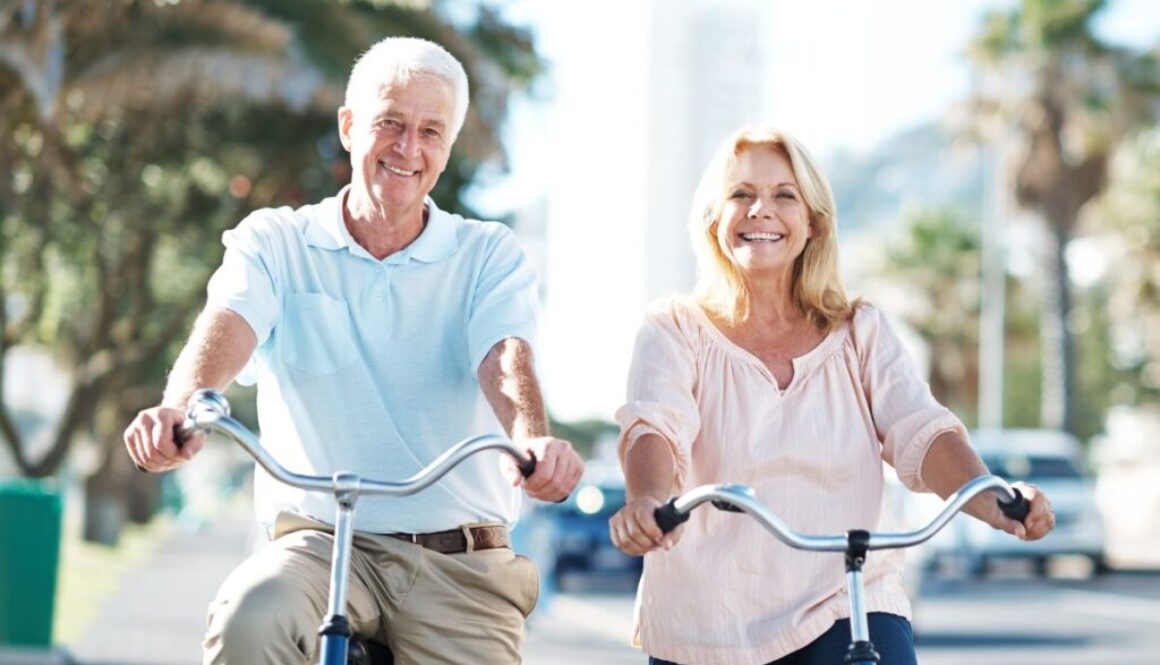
(1060, 100)
(1127, 219)
(136, 131)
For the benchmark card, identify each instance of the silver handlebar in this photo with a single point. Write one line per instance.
(209, 411)
(742, 498)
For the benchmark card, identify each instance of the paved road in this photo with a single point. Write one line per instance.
(158, 615)
(1009, 620)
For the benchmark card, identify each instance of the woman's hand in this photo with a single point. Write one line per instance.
(634, 528)
(1040, 519)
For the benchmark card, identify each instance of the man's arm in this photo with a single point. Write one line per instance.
(508, 379)
(218, 348)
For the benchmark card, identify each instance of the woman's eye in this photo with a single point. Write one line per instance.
(787, 195)
(739, 195)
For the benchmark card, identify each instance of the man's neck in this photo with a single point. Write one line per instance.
(382, 232)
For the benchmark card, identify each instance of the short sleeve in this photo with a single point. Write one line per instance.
(906, 415)
(244, 282)
(505, 302)
(661, 390)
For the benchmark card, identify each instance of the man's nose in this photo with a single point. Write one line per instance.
(407, 144)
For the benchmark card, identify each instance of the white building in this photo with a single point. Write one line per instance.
(645, 92)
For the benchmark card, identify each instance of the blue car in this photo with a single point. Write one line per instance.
(579, 535)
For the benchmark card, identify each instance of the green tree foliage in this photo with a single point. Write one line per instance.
(938, 257)
(1059, 100)
(1127, 218)
(133, 132)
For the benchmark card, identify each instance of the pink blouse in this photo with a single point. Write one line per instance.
(729, 592)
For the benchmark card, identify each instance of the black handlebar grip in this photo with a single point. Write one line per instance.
(668, 517)
(527, 468)
(1016, 508)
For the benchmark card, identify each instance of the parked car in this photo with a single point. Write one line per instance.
(1052, 460)
(579, 535)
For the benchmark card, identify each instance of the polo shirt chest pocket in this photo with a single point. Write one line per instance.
(316, 333)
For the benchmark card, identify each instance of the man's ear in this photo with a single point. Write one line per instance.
(345, 120)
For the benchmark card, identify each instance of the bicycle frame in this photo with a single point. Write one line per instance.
(855, 543)
(209, 411)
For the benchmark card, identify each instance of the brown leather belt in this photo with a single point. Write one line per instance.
(463, 539)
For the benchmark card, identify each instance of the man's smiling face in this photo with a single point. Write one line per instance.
(399, 142)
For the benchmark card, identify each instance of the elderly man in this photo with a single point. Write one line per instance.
(380, 329)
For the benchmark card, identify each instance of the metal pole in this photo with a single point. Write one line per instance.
(992, 336)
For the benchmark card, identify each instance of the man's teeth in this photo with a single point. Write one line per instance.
(398, 171)
(772, 237)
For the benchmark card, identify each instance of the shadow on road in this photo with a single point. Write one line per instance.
(995, 640)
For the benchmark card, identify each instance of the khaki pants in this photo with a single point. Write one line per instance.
(426, 606)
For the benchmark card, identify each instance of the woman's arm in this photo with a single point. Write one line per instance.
(950, 462)
(649, 473)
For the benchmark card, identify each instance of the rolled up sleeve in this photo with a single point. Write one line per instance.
(906, 415)
(661, 392)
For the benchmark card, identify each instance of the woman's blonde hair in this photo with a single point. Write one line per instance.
(817, 286)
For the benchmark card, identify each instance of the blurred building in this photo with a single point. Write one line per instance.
(645, 93)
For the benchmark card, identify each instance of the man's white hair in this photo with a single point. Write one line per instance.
(401, 58)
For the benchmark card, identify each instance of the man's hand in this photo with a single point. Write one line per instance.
(634, 528)
(558, 469)
(151, 440)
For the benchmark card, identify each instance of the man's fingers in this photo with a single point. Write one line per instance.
(151, 440)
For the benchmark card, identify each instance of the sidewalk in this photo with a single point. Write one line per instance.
(157, 615)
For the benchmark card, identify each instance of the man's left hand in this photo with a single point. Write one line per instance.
(558, 469)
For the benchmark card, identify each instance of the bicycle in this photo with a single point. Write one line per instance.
(855, 543)
(209, 411)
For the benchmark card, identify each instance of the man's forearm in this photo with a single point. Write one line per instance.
(219, 346)
(508, 378)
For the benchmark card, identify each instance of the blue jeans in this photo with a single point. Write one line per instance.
(893, 640)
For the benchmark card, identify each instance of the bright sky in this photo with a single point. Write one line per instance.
(840, 74)
(867, 69)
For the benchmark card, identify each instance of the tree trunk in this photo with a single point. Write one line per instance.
(104, 505)
(1055, 338)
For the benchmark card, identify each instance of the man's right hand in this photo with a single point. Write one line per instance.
(634, 528)
(151, 440)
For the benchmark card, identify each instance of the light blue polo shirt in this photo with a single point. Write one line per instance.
(370, 366)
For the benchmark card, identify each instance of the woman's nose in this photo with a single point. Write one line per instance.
(760, 209)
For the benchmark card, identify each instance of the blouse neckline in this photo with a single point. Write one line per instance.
(802, 365)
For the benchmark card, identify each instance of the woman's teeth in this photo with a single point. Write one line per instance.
(770, 237)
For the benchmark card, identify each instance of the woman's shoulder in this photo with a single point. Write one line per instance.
(677, 315)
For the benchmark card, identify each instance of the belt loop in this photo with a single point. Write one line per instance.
(468, 537)
(414, 538)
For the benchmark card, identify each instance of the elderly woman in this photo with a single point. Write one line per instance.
(769, 375)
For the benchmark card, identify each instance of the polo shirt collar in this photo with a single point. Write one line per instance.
(327, 230)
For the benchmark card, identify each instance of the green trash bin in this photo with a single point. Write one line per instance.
(30, 527)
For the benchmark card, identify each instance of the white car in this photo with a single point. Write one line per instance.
(1053, 461)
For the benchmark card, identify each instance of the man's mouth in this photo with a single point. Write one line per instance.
(397, 171)
(759, 236)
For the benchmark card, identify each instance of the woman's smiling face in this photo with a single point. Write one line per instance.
(765, 222)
